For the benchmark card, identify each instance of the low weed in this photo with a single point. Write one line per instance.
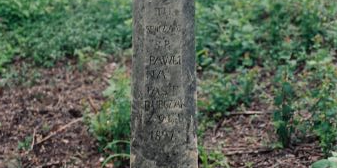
(309, 105)
(222, 94)
(111, 126)
(26, 143)
(284, 113)
(212, 159)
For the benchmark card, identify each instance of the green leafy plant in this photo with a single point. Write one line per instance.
(48, 31)
(284, 114)
(331, 162)
(113, 146)
(224, 93)
(237, 33)
(313, 95)
(26, 143)
(323, 79)
(111, 126)
(325, 120)
(212, 159)
(90, 59)
(6, 53)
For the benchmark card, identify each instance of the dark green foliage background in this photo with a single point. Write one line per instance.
(46, 31)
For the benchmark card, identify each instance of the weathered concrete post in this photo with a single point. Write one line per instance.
(163, 85)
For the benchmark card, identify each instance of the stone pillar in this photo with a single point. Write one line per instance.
(163, 123)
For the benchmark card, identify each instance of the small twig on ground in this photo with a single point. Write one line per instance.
(106, 80)
(57, 131)
(67, 77)
(33, 140)
(251, 113)
(216, 128)
(59, 99)
(240, 151)
(220, 123)
(50, 164)
(92, 105)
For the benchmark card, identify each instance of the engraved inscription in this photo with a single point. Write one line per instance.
(160, 135)
(162, 91)
(154, 29)
(165, 60)
(164, 11)
(170, 118)
(163, 44)
(163, 104)
(155, 74)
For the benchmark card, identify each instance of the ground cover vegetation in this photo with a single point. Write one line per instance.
(269, 56)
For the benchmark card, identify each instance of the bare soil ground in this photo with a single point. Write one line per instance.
(44, 109)
(58, 97)
(247, 141)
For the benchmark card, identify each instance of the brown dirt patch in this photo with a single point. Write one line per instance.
(57, 98)
(247, 141)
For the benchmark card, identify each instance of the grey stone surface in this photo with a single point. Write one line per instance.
(163, 85)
